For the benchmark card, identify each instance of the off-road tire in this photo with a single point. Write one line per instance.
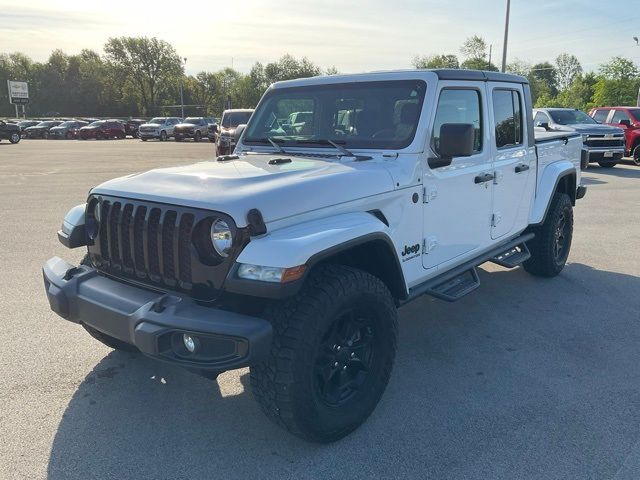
(635, 156)
(544, 261)
(108, 340)
(607, 164)
(285, 385)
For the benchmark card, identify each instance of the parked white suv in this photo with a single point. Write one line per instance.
(159, 127)
(292, 255)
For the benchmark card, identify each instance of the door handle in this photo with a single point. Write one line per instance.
(522, 168)
(485, 177)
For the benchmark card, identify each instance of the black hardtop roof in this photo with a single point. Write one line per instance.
(478, 75)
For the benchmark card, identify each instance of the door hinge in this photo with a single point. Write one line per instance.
(429, 193)
(497, 176)
(496, 218)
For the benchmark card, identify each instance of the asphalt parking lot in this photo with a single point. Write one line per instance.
(525, 378)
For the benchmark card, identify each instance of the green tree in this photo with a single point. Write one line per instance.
(619, 68)
(436, 61)
(478, 64)
(151, 66)
(608, 92)
(474, 47)
(579, 94)
(567, 69)
(545, 74)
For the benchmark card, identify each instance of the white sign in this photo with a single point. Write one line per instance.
(18, 92)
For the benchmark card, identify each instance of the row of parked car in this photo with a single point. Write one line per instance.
(222, 131)
(608, 133)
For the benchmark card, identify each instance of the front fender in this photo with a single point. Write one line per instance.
(296, 245)
(549, 180)
(73, 233)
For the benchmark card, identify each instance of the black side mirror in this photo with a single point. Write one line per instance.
(238, 133)
(626, 122)
(456, 140)
(544, 125)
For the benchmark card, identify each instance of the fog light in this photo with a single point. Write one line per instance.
(189, 343)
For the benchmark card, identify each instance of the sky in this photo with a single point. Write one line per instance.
(353, 36)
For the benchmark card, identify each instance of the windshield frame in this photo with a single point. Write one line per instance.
(349, 143)
(590, 120)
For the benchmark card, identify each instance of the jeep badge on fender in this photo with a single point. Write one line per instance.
(290, 256)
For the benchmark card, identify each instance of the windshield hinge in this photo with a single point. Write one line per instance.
(390, 155)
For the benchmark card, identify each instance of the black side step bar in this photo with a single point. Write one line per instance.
(463, 279)
(513, 257)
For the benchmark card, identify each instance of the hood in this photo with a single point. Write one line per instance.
(235, 187)
(589, 128)
(59, 128)
(90, 127)
(185, 125)
(36, 127)
(155, 125)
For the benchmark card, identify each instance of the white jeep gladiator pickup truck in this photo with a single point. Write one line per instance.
(292, 255)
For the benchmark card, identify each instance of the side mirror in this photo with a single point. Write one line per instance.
(544, 125)
(238, 133)
(626, 122)
(456, 140)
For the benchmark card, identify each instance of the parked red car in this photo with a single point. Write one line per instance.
(627, 118)
(103, 129)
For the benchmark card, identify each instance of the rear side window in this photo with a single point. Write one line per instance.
(507, 114)
(458, 106)
(600, 116)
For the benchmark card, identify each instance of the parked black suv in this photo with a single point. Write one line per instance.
(9, 131)
(41, 130)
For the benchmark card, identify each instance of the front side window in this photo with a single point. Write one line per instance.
(507, 115)
(458, 106)
(233, 119)
(376, 115)
(619, 115)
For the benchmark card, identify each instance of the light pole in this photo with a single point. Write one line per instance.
(506, 37)
(184, 64)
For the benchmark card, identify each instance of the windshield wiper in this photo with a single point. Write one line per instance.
(272, 141)
(336, 145)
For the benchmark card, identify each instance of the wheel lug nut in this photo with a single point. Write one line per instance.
(344, 368)
(338, 347)
(353, 354)
(335, 364)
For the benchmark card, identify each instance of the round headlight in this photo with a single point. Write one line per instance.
(221, 237)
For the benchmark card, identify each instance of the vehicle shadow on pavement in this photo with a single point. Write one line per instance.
(631, 171)
(525, 378)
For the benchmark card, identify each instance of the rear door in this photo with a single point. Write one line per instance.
(457, 205)
(514, 161)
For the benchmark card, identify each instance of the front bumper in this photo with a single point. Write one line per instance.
(598, 154)
(155, 322)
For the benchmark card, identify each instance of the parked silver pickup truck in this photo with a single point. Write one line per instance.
(603, 144)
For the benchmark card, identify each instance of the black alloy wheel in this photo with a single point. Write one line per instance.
(345, 356)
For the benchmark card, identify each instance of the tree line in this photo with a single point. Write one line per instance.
(140, 76)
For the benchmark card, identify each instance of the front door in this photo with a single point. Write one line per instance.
(514, 162)
(457, 198)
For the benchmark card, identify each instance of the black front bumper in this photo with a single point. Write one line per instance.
(155, 322)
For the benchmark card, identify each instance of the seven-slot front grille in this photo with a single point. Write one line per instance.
(149, 242)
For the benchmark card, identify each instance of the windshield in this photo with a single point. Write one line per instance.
(378, 115)
(157, 120)
(635, 113)
(570, 117)
(233, 119)
(192, 121)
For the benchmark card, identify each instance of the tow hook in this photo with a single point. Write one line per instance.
(163, 302)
